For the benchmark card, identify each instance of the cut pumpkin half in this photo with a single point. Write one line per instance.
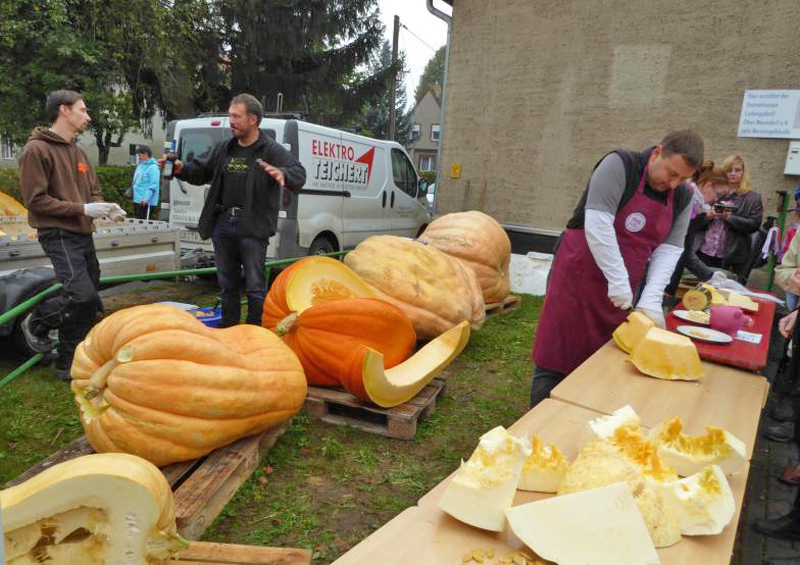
(318, 280)
(391, 387)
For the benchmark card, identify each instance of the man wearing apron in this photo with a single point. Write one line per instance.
(634, 210)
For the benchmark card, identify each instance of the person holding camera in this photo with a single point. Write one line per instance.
(247, 173)
(711, 182)
(731, 222)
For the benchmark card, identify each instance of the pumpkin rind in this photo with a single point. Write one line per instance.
(392, 387)
(481, 243)
(187, 389)
(324, 335)
(435, 290)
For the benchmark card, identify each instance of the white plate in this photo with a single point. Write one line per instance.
(704, 334)
(684, 315)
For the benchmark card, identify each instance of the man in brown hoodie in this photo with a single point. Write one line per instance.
(63, 197)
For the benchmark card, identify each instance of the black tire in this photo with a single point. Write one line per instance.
(321, 246)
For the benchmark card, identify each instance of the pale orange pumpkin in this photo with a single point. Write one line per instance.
(481, 243)
(155, 382)
(324, 336)
(436, 291)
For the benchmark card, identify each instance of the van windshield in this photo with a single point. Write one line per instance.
(195, 143)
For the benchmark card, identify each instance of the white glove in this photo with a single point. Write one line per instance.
(117, 214)
(662, 265)
(98, 209)
(602, 240)
(718, 278)
(656, 315)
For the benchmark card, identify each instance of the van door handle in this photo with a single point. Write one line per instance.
(392, 206)
(383, 204)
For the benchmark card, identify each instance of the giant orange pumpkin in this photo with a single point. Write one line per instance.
(323, 337)
(155, 382)
(310, 281)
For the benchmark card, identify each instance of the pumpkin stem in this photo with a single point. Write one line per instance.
(288, 324)
(97, 381)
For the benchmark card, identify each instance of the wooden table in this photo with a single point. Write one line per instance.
(725, 397)
(425, 535)
(738, 353)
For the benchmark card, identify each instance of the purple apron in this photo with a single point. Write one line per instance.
(577, 317)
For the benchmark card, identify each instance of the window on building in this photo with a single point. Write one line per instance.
(6, 150)
(415, 130)
(435, 132)
(427, 163)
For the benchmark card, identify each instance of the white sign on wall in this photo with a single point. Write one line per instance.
(770, 113)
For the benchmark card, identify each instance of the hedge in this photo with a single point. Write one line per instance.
(114, 180)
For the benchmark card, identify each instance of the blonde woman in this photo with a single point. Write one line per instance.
(727, 242)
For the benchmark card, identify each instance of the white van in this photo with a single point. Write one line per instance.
(355, 187)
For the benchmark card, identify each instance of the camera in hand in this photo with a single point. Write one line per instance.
(167, 171)
(719, 208)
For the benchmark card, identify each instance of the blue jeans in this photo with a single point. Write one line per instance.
(543, 382)
(232, 252)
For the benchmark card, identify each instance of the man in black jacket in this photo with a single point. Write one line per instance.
(247, 173)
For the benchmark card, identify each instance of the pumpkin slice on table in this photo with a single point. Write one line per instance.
(481, 243)
(309, 282)
(323, 337)
(666, 355)
(155, 382)
(92, 510)
(435, 290)
(364, 375)
(690, 454)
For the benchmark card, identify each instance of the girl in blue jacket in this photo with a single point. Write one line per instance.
(146, 179)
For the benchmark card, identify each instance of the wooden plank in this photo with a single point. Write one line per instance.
(208, 489)
(207, 553)
(725, 397)
(431, 537)
(77, 448)
(510, 303)
(337, 407)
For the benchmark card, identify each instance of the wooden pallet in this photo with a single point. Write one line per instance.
(206, 553)
(201, 487)
(335, 406)
(510, 303)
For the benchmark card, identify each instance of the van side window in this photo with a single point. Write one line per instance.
(196, 143)
(403, 173)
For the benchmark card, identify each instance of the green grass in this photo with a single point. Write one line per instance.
(321, 487)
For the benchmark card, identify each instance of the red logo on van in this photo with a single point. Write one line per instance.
(367, 158)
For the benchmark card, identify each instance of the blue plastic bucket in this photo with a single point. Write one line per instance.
(208, 316)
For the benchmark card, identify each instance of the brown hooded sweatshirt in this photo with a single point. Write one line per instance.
(57, 180)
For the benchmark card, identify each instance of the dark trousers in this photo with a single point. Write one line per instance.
(232, 252)
(74, 311)
(140, 211)
(719, 262)
(543, 382)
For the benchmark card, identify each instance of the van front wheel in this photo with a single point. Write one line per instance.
(321, 246)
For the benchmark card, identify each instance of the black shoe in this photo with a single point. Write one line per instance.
(63, 375)
(784, 411)
(782, 432)
(39, 344)
(784, 527)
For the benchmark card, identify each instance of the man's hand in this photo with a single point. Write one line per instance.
(177, 165)
(656, 315)
(99, 209)
(143, 202)
(117, 214)
(794, 282)
(274, 172)
(786, 324)
(620, 296)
